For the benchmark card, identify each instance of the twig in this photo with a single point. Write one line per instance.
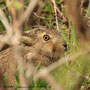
(43, 17)
(28, 11)
(6, 24)
(16, 40)
(42, 74)
(51, 5)
(19, 59)
(48, 77)
(60, 13)
(55, 14)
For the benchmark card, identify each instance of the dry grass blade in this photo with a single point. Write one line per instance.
(28, 11)
(6, 24)
(55, 9)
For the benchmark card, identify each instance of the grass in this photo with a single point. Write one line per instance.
(67, 75)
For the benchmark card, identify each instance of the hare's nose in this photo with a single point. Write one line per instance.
(65, 47)
(54, 48)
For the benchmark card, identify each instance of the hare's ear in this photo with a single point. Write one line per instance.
(29, 33)
(29, 37)
(73, 12)
(27, 40)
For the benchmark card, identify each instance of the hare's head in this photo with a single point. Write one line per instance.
(49, 44)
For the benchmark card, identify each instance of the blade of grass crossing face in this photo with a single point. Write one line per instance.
(74, 37)
(67, 40)
(73, 34)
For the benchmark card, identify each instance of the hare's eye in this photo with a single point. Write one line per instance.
(46, 37)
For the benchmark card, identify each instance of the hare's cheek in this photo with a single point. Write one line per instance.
(47, 48)
(56, 56)
(59, 52)
(62, 52)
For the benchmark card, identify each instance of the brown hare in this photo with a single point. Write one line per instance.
(40, 46)
(44, 45)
